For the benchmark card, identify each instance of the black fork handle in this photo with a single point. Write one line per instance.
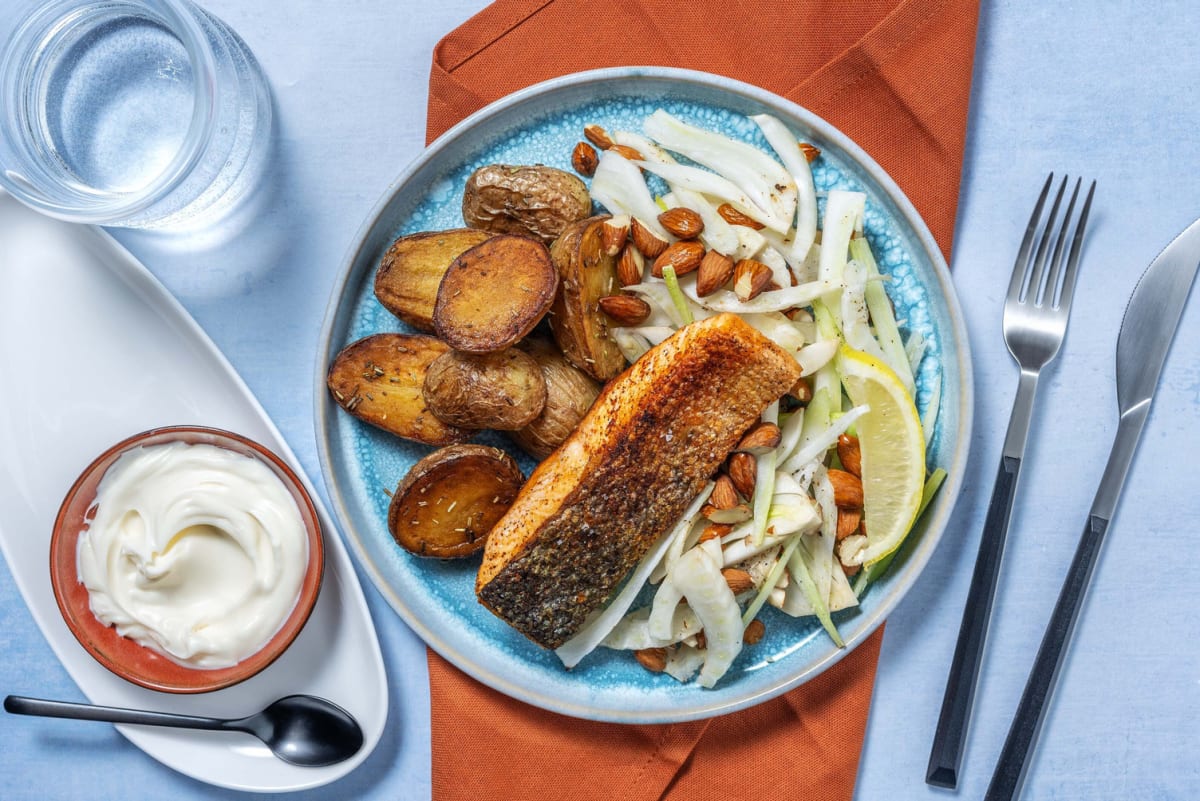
(946, 755)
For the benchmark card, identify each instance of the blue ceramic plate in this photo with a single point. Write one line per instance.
(361, 464)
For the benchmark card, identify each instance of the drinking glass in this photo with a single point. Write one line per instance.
(133, 113)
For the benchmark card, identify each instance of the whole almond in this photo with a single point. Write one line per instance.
(760, 439)
(750, 278)
(714, 272)
(847, 489)
(735, 217)
(754, 632)
(631, 266)
(631, 153)
(743, 472)
(645, 240)
(811, 152)
(850, 454)
(652, 659)
(683, 256)
(584, 159)
(613, 233)
(724, 494)
(801, 390)
(847, 522)
(625, 309)
(681, 222)
(738, 580)
(597, 136)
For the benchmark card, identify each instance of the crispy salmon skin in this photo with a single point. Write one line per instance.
(594, 507)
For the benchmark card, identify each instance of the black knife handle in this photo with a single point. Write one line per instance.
(1010, 769)
(951, 734)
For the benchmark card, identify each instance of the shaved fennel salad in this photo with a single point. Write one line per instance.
(813, 503)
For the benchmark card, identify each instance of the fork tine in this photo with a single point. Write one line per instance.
(1068, 286)
(1021, 267)
(1033, 288)
(1050, 292)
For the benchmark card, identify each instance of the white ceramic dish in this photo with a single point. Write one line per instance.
(116, 354)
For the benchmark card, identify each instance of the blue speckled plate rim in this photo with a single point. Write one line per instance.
(701, 704)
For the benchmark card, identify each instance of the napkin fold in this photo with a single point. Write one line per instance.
(895, 76)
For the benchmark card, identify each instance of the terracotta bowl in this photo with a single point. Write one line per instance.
(123, 656)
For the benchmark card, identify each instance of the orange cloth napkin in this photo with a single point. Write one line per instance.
(895, 76)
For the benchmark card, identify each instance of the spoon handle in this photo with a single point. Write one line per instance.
(21, 705)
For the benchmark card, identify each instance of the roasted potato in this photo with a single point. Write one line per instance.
(586, 273)
(380, 379)
(407, 280)
(503, 390)
(536, 201)
(494, 294)
(569, 394)
(448, 502)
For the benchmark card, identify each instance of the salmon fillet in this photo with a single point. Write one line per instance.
(655, 436)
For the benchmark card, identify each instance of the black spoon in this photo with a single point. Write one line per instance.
(300, 729)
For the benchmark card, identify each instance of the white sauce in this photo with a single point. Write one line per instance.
(195, 551)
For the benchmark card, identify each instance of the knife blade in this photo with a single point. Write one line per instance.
(1147, 330)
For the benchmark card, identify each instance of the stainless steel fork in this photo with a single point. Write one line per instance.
(1036, 311)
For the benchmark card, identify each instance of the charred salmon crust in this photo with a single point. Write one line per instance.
(652, 439)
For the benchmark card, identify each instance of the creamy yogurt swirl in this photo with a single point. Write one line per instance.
(195, 551)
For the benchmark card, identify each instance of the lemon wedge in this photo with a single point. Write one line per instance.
(893, 451)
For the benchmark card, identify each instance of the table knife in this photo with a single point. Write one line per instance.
(1151, 319)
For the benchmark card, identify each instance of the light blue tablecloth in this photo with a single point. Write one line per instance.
(1105, 89)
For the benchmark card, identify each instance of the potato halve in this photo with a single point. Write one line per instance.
(502, 391)
(536, 200)
(448, 502)
(494, 294)
(570, 392)
(380, 379)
